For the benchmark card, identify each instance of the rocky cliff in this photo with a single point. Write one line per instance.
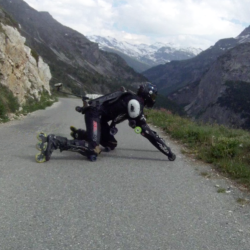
(21, 69)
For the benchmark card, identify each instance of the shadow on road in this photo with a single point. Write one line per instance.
(118, 155)
(133, 149)
(136, 158)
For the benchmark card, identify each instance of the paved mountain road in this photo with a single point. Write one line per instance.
(129, 199)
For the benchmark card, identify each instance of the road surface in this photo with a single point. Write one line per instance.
(132, 198)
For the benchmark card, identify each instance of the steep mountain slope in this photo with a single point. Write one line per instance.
(223, 92)
(138, 66)
(144, 56)
(73, 59)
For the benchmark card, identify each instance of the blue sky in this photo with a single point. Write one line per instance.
(187, 23)
(238, 22)
(118, 3)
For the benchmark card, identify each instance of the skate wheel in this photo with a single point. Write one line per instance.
(113, 131)
(73, 129)
(92, 157)
(40, 136)
(41, 147)
(40, 158)
(172, 157)
(137, 130)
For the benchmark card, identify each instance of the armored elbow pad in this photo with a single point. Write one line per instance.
(134, 108)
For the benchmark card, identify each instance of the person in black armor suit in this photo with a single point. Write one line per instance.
(115, 108)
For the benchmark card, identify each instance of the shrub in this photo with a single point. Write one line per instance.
(33, 104)
(224, 147)
(2, 110)
(8, 102)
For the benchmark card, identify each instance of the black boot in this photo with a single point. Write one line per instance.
(83, 147)
(79, 146)
(53, 143)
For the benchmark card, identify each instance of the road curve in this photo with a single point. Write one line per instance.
(132, 198)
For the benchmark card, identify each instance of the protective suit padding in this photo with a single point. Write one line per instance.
(155, 140)
(79, 146)
(92, 120)
(107, 140)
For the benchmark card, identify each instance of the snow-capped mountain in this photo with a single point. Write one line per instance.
(244, 36)
(143, 56)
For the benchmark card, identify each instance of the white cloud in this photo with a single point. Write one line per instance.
(197, 23)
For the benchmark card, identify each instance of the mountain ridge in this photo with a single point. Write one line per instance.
(173, 76)
(149, 55)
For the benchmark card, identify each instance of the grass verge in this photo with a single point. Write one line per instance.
(32, 105)
(227, 149)
(9, 104)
